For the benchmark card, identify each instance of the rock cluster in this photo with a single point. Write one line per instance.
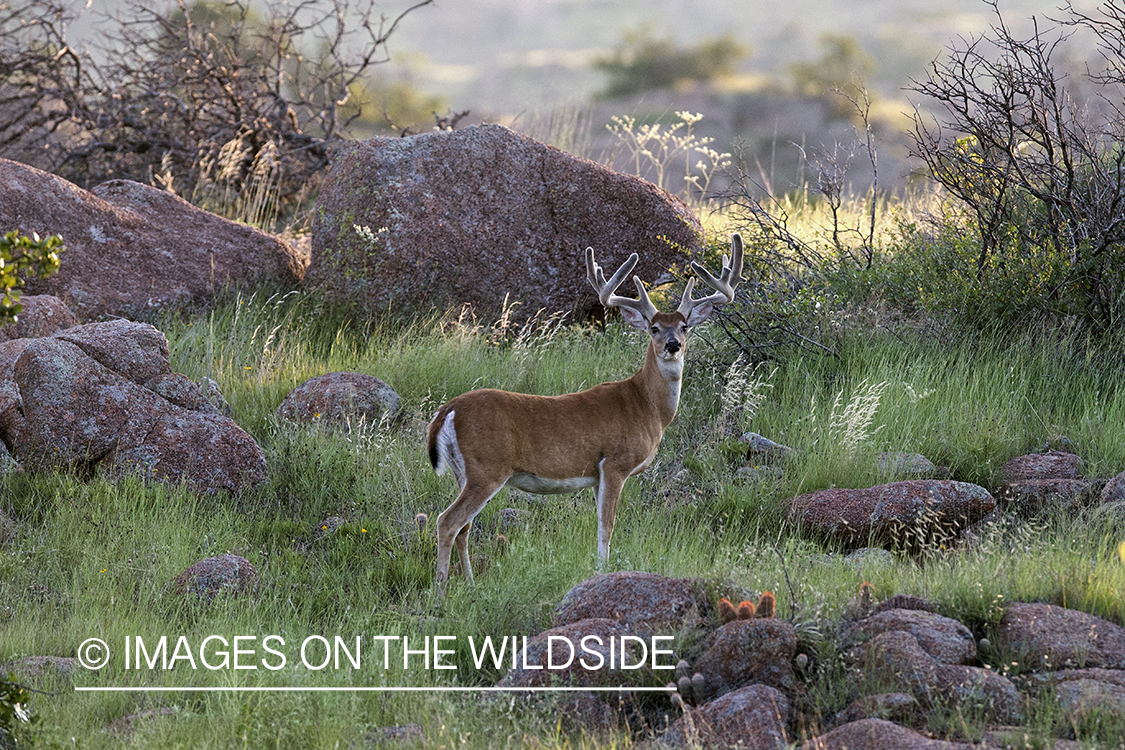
(102, 397)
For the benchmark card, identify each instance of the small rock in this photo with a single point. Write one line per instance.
(889, 706)
(1114, 490)
(1046, 636)
(328, 526)
(760, 474)
(213, 392)
(339, 398)
(753, 717)
(1029, 498)
(903, 601)
(215, 575)
(762, 449)
(897, 656)
(898, 513)
(548, 660)
(644, 603)
(41, 316)
(908, 465)
(396, 735)
(35, 667)
(748, 651)
(944, 639)
(878, 734)
(127, 724)
(8, 465)
(1050, 465)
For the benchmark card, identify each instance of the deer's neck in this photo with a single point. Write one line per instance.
(660, 380)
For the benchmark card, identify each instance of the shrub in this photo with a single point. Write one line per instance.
(643, 62)
(14, 717)
(21, 256)
(1040, 171)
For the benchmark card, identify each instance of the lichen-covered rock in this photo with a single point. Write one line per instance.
(759, 448)
(482, 215)
(399, 735)
(943, 638)
(221, 574)
(128, 723)
(1114, 490)
(102, 397)
(42, 315)
(1050, 465)
(889, 706)
(1047, 636)
(892, 513)
(338, 398)
(1029, 498)
(753, 718)
(903, 601)
(748, 651)
(895, 658)
(902, 464)
(644, 603)
(1081, 692)
(879, 734)
(36, 667)
(132, 249)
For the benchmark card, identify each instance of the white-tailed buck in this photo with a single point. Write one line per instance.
(597, 438)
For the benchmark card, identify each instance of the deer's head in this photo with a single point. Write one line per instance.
(667, 331)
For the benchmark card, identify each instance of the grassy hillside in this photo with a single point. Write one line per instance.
(94, 559)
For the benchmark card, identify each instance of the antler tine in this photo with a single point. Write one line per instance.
(729, 278)
(606, 289)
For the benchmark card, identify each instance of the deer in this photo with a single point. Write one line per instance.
(598, 438)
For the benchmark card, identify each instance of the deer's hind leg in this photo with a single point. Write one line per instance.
(453, 526)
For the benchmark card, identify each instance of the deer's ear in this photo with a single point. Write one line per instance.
(634, 318)
(699, 314)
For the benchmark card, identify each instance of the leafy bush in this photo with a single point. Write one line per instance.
(929, 271)
(1040, 171)
(14, 716)
(643, 61)
(21, 256)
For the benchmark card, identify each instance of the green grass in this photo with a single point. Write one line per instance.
(94, 559)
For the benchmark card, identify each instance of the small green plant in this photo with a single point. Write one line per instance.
(14, 716)
(21, 256)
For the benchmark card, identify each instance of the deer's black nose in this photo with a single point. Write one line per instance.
(672, 346)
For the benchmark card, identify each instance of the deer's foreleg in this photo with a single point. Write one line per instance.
(607, 493)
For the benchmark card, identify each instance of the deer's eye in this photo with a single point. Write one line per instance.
(655, 330)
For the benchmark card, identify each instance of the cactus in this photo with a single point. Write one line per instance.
(746, 610)
(727, 612)
(767, 605)
(866, 596)
(698, 685)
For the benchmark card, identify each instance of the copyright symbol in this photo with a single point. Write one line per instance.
(93, 653)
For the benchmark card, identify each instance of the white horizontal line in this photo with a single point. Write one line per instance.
(345, 689)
